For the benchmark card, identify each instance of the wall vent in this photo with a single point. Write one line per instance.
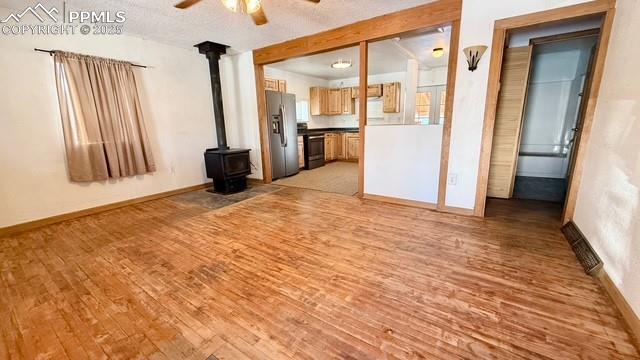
(584, 252)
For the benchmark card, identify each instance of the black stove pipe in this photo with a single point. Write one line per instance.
(213, 51)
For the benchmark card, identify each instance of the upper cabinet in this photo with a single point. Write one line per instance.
(275, 85)
(335, 102)
(319, 101)
(341, 101)
(391, 98)
(374, 90)
(348, 102)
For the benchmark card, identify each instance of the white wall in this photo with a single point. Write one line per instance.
(477, 22)
(403, 161)
(608, 206)
(238, 80)
(433, 76)
(176, 99)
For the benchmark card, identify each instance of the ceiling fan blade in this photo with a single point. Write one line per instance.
(258, 16)
(314, 1)
(186, 3)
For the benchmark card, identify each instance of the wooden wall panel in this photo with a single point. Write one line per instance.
(508, 125)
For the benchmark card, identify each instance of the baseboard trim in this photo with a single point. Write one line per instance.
(397, 201)
(457, 211)
(18, 228)
(419, 204)
(629, 316)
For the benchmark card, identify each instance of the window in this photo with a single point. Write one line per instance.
(430, 105)
(423, 107)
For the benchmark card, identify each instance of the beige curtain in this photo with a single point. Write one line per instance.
(104, 130)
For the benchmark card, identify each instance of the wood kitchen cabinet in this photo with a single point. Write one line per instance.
(275, 85)
(330, 142)
(348, 103)
(271, 84)
(341, 150)
(335, 102)
(319, 101)
(301, 151)
(355, 91)
(374, 90)
(352, 145)
(341, 146)
(282, 86)
(391, 97)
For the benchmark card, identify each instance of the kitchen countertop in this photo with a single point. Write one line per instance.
(327, 130)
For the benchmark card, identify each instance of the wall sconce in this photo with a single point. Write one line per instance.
(473, 54)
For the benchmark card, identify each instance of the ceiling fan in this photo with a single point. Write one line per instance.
(251, 7)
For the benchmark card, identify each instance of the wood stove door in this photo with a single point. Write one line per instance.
(276, 134)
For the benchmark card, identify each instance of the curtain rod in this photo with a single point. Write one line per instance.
(53, 51)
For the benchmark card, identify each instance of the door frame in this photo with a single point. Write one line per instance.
(415, 20)
(605, 8)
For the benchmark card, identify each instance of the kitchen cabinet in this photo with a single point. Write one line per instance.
(319, 101)
(335, 102)
(348, 103)
(330, 142)
(271, 84)
(341, 150)
(275, 85)
(301, 151)
(391, 98)
(352, 145)
(374, 90)
(282, 86)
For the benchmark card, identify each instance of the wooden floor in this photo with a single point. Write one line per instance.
(297, 274)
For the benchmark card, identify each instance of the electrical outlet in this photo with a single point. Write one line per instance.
(453, 179)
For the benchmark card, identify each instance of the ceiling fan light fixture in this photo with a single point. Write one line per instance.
(233, 5)
(341, 64)
(252, 6)
(438, 52)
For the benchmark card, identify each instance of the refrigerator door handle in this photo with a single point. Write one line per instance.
(283, 118)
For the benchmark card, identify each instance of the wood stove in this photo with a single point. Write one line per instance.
(227, 167)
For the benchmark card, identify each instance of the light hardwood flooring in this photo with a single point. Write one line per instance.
(300, 274)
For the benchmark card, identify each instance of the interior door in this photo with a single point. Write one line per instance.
(516, 67)
(276, 133)
(575, 142)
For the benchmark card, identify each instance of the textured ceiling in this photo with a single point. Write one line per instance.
(209, 20)
(384, 57)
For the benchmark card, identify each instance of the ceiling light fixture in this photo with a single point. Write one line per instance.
(243, 6)
(438, 52)
(440, 29)
(341, 64)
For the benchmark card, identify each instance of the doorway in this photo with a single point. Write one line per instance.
(552, 118)
(540, 111)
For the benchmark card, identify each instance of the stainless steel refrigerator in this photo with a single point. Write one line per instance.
(281, 112)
